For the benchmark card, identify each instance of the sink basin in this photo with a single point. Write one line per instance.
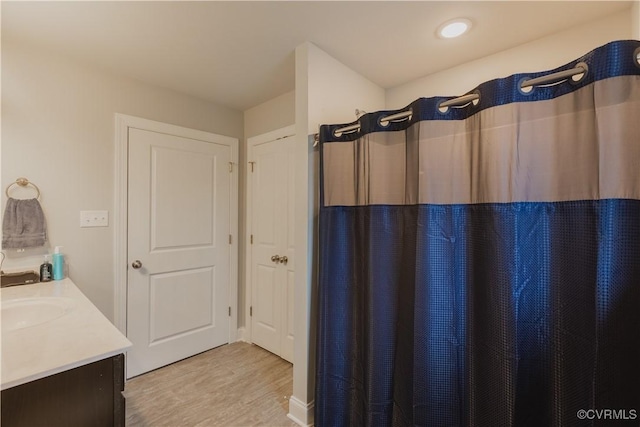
(26, 312)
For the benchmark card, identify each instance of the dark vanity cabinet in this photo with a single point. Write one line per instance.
(90, 395)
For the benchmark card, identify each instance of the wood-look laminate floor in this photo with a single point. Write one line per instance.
(234, 385)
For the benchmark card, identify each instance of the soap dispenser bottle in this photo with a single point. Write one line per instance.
(46, 270)
(58, 264)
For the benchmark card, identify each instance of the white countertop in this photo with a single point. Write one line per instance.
(82, 335)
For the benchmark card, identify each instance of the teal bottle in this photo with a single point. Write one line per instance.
(58, 264)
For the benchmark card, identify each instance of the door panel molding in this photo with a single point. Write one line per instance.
(122, 125)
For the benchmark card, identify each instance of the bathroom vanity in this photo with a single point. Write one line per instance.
(62, 360)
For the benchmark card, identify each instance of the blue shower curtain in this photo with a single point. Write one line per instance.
(480, 264)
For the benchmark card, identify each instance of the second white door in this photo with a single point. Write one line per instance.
(272, 265)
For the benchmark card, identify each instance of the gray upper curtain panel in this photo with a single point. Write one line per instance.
(577, 138)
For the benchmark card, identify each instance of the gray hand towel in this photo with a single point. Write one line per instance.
(23, 225)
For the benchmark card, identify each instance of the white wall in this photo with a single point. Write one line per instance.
(335, 91)
(58, 131)
(326, 92)
(274, 114)
(635, 20)
(542, 54)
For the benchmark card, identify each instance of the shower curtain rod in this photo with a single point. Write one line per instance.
(581, 68)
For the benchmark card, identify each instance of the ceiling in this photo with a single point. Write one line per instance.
(240, 54)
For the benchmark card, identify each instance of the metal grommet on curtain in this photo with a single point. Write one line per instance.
(636, 57)
(522, 88)
(441, 109)
(476, 101)
(579, 77)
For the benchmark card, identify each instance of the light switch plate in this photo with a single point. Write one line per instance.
(94, 218)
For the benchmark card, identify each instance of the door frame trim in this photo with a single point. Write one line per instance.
(248, 289)
(120, 257)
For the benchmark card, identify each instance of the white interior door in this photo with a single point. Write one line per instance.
(272, 265)
(178, 230)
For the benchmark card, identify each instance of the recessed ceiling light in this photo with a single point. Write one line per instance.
(454, 28)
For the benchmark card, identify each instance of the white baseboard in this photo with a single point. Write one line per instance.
(301, 413)
(241, 335)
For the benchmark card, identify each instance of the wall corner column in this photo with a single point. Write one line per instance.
(301, 400)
